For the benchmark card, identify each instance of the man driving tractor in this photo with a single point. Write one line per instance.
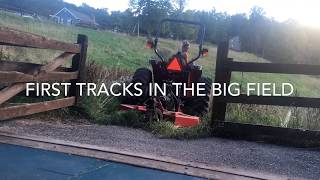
(184, 50)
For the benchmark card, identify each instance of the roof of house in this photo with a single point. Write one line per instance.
(76, 15)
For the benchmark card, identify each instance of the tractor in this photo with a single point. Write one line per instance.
(183, 109)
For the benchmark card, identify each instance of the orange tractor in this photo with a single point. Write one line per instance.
(183, 109)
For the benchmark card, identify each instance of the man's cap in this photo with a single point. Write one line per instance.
(185, 43)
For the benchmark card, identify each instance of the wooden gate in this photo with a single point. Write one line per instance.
(16, 74)
(225, 66)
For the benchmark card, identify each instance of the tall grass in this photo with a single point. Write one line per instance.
(288, 117)
(100, 107)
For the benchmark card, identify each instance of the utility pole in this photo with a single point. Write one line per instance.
(134, 29)
(138, 29)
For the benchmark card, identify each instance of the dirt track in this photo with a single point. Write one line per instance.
(293, 162)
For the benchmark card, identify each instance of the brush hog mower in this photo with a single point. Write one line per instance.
(182, 108)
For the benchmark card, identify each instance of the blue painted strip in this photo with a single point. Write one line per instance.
(17, 162)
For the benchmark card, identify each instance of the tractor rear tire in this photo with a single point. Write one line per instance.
(199, 105)
(144, 76)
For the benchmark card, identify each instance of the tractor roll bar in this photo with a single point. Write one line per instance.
(201, 34)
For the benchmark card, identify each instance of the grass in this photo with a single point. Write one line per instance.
(166, 129)
(121, 54)
(128, 52)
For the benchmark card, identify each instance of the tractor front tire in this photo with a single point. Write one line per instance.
(199, 105)
(143, 76)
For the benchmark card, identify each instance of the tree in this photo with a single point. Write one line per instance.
(150, 12)
(253, 34)
(179, 5)
(103, 18)
(263, 36)
(40, 7)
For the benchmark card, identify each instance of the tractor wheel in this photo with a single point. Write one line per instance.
(154, 115)
(199, 106)
(144, 76)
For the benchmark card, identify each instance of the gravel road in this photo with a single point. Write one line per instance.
(292, 162)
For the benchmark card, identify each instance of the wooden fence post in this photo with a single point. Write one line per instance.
(222, 75)
(79, 64)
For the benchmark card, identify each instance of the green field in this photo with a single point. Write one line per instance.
(114, 50)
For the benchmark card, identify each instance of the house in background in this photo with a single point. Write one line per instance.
(235, 44)
(72, 17)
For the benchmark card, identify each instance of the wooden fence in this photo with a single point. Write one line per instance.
(17, 74)
(225, 66)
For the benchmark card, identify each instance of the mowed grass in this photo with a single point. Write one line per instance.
(115, 50)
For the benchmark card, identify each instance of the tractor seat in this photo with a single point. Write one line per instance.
(195, 66)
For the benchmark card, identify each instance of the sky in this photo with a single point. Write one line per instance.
(305, 12)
